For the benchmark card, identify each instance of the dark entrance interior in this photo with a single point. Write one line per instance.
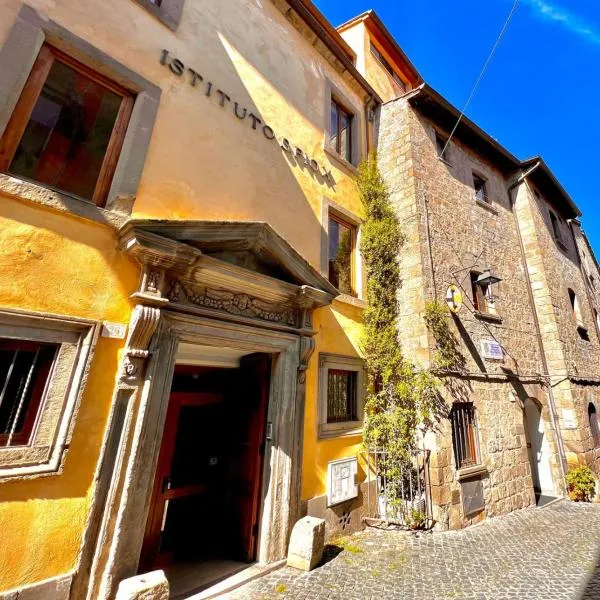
(203, 520)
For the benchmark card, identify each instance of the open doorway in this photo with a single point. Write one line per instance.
(539, 453)
(205, 507)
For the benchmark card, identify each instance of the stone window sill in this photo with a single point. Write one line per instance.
(37, 194)
(340, 430)
(484, 316)
(487, 205)
(341, 161)
(351, 300)
(470, 472)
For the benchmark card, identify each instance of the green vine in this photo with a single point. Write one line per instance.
(447, 354)
(401, 398)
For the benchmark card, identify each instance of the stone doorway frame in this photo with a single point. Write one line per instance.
(121, 534)
(186, 296)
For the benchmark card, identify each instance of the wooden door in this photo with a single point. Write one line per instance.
(188, 476)
(251, 402)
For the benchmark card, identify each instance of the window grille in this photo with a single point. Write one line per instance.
(464, 435)
(24, 371)
(341, 396)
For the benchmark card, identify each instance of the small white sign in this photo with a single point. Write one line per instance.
(568, 416)
(341, 480)
(114, 330)
(492, 350)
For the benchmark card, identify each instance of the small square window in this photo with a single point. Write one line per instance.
(464, 435)
(68, 128)
(43, 362)
(341, 395)
(340, 131)
(556, 230)
(483, 301)
(342, 246)
(24, 372)
(441, 144)
(480, 185)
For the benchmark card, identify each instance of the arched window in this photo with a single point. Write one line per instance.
(593, 418)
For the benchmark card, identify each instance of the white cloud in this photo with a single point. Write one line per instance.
(569, 20)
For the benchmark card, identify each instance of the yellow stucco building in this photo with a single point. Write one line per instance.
(178, 218)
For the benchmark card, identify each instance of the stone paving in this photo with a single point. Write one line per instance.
(551, 553)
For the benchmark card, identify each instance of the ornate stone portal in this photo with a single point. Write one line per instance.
(224, 284)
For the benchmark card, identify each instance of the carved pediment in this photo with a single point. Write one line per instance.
(242, 270)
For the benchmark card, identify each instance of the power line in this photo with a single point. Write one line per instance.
(483, 70)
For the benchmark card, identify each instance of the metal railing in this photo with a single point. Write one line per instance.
(398, 492)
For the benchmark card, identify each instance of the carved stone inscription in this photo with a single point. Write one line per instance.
(242, 305)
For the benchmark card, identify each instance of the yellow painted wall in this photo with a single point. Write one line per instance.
(358, 38)
(203, 163)
(60, 264)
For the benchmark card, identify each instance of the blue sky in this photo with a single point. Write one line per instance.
(541, 92)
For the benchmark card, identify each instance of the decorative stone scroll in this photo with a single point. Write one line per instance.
(242, 305)
(144, 321)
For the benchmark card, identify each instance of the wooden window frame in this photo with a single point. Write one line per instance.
(31, 91)
(338, 362)
(481, 298)
(33, 409)
(469, 438)
(478, 178)
(441, 140)
(333, 216)
(341, 108)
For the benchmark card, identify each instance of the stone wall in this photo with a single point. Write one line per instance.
(448, 234)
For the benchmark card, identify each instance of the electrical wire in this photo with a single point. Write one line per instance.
(483, 71)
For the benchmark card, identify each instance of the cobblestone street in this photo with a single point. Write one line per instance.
(533, 554)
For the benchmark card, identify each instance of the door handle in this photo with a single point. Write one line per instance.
(166, 484)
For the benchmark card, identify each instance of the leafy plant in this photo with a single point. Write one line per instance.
(416, 519)
(581, 484)
(447, 355)
(401, 398)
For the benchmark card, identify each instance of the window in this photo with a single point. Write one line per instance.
(593, 420)
(340, 132)
(24, 371)
(341, 395)
(575, 308)
(592, 281)
(464, 435)
(440, 143)
(483, 300)
(480, 186)
(386, 65)
(68, 128)
(43, 362)
(597, 317)
(342, 244)
(556, 231)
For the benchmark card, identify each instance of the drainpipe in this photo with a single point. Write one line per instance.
(551, 400)
(369, 123)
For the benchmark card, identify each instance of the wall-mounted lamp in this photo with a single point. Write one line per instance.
(487, 280)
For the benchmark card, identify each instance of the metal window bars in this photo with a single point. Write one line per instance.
(398, 492)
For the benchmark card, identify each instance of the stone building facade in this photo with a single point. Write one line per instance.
(523, 390)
